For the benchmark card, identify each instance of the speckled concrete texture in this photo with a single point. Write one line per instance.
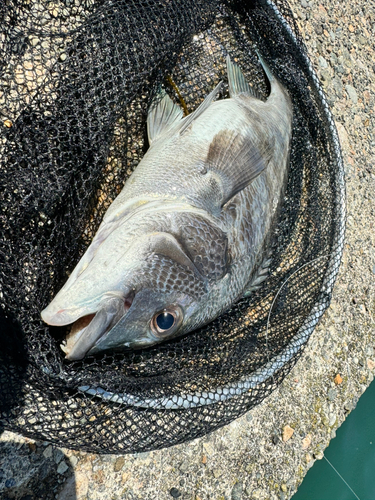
(266, 453)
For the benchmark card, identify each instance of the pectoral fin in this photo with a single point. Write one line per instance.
(238, 159)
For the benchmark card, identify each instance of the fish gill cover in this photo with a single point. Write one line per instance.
(77, 79)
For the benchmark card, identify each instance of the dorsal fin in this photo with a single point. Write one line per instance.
(187, 121)
(266, 68)
(161, 116)
(237, 82)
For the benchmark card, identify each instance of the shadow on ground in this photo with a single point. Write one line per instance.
(34, 471)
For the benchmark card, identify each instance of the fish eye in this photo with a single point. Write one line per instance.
(167, 321)
(164, 320)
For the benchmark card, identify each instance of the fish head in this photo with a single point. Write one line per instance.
(153, 317)
(151, 294)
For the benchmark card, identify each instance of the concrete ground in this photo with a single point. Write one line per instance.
(266, 453)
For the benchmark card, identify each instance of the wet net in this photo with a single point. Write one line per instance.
(77, 78)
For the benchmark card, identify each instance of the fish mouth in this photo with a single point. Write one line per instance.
(89, 329)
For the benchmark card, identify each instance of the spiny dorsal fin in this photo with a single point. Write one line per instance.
(187, 121)
(237, 82)
(161, 116)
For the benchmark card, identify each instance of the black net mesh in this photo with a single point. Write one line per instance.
(76, 81)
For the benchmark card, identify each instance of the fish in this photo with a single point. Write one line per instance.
(188, 235)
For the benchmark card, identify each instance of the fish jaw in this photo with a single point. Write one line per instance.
(89, 322)
(88, 330)
(62, 317)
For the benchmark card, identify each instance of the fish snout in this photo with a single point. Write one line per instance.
(61, 317)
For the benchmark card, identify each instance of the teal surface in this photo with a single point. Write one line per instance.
(352, 454)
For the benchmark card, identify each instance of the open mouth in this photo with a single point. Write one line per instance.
(88, 330)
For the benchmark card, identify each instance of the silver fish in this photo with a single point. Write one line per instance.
(187, 235)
